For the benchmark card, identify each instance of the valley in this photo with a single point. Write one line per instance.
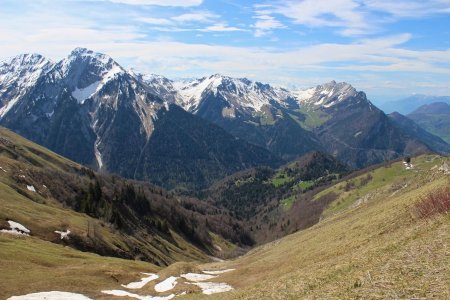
(120, 184)
(369, 234)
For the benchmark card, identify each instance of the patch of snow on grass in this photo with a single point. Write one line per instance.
(31, 188)
(197, 277)
(216, 272)
(64, 234)
(166, 285)
(120, 293)
(209, 288)
(13, 232)
(17, 226)
(16, 229)
(142, 283)
(54, 295)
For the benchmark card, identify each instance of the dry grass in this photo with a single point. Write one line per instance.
(435, 202)
(377, 250)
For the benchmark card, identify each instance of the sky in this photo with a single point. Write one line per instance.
(389, 49)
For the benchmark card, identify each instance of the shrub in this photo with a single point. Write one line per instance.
(436, 202)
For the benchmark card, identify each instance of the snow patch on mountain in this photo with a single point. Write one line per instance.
(82, 94)
(98, 155)
(303, 95)
(191, 92)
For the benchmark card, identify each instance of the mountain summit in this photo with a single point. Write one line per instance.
(326, 95)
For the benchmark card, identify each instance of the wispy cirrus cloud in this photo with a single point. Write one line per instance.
(180, 3)
(352, 17)
(265, 24)
(220, 27)
(174, 22)
(409, 8)
(197, 16)
(344, 14)
(192, 21)
(154, 21)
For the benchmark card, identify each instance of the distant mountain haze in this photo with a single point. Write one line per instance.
(435, 118)
(409, 104)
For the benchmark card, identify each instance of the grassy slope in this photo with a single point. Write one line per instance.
(375, 250)
(314, 118)
(29, 265)
(44, 214)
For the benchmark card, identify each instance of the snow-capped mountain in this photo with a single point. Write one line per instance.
(88, 108)
(161, 86)
(86, 73)
(332, 117)
(240, 94)
(326, 95)
(89, 86)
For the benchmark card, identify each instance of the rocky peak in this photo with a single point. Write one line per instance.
(240, 94)
(327, 95)
(17, 76)
(86, 72)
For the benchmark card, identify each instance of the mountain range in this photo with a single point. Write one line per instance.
(409, 104)
(189, 134)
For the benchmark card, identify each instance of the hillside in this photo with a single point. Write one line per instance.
(263, 198)
(107, 215)
(371, 243)
(333, 117)
(186, 151)
(413, 129)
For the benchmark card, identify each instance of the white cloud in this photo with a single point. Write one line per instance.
(181, 3)
(353, 17)
(220, 27)
(199, 16)
(265, 24)
(323, 13)
(154, 21)
(409, 8)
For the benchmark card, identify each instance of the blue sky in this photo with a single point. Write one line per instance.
(389, 49)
